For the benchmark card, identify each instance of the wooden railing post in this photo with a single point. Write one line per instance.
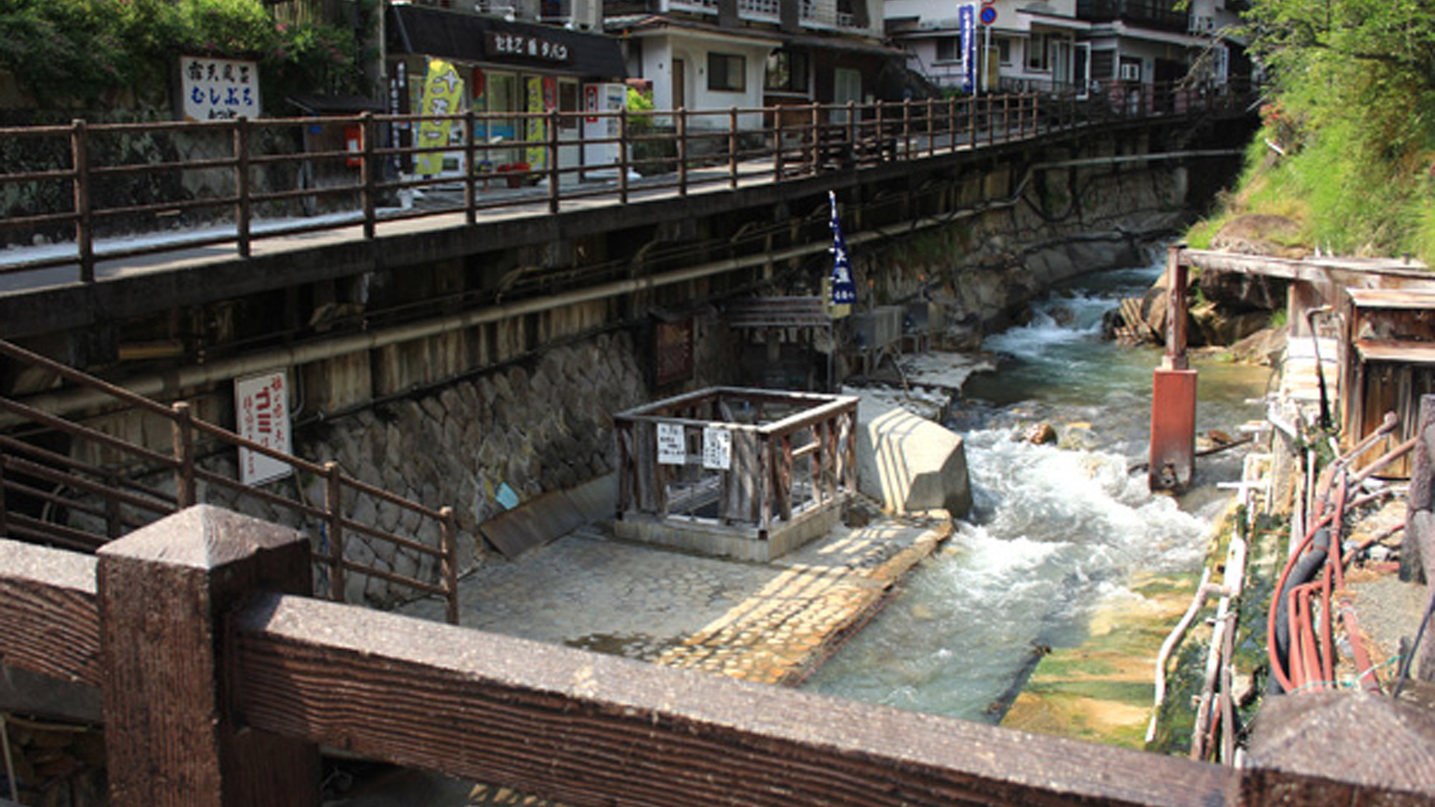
(906, 127)
(552, 149)
(470, 174)
(732, 143)
(682, 148)
(777, 144)
(173, 735)
(368, 177)
(816, 124)
(242, 212)
(4, 522)
(972, 122)
(448, 534)
(931, 130)
(113, 525)
(624, 154)
(183, 434)
(84, 232)
(334, 509)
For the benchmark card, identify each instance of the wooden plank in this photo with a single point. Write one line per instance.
(1415, 299)
(1395, 351)
(589, 729)
(49, 621)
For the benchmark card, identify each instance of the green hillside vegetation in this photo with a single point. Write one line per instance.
(1352, 106)
(67, 53)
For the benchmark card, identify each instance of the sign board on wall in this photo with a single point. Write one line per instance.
(217, 89)
(261, 409)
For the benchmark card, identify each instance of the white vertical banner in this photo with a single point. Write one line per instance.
(672, 448)
(261, 409)
(717, 449)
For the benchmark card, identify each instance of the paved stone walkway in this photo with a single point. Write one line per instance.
(764, 622)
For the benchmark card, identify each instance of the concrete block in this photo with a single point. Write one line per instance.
(910, 463)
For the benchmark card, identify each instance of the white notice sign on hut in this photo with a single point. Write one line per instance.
(717, 449)
(672, 449)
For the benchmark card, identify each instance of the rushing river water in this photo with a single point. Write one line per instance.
(1054, 529)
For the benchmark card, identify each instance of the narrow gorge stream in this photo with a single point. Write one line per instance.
(1055, 529)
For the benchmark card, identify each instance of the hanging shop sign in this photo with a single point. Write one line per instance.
(502, 45)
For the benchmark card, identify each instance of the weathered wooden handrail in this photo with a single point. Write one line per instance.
(891, 128)
(182, 462)
(247, 680)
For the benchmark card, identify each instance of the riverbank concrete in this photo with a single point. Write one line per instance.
(767, 622)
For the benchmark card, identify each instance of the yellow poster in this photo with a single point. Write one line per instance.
(534, 131)
(443, 95)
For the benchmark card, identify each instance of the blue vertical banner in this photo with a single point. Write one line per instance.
(844, 290)
(967, 22)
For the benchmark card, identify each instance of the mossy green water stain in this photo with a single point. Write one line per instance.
(1102, 690)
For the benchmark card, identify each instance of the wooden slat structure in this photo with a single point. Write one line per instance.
(787, 452)
(273, 676)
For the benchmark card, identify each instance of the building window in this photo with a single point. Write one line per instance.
(727, 72)
(1004, 51)
(949, 49)
(786, 71)
(1036, 58)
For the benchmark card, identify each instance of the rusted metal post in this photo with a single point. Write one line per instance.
(682, 151)
(448, 534)
(334, 509)
(182, 431)
(173, 734)
(1173, 394)
(242, 210)
(84, 231)
(368, 177)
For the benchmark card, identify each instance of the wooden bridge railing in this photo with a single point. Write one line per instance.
(241, 181)
(219, 685)
(784, 452)
(92, 503)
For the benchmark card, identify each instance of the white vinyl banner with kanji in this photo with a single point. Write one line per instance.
(261, 407)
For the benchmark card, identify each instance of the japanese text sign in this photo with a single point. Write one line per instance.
(216, 89)
(261, 409)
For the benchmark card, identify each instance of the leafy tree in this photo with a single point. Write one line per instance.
(77, 50)
(1354, 109)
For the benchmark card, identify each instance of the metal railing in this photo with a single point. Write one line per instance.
(248, 192)
(84, 504)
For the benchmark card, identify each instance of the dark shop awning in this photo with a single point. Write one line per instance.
(425, 31)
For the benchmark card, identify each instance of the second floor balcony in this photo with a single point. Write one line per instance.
(1165, 15)
(831, 15)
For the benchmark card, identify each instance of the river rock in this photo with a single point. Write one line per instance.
(910, 463)
(1039, 434)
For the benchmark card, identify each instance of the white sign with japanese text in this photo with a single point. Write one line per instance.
(717, 449)
(216, 89)
(672, 448)
(261, 407)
